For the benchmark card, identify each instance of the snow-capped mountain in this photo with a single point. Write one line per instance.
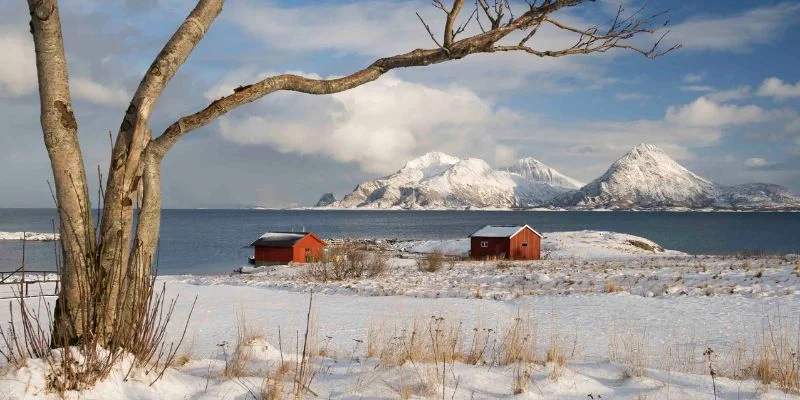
(647, 178)
(644, 178)
(437, 180)
(535, 170)
(756, 196)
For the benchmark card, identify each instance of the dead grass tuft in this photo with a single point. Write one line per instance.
(612, 287)
(350, 260)
(431, 262)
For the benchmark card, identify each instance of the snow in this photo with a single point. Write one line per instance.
(500, 230)
(585, 244)
(644, 178)
(689, 323)
(647, 178)
(535, 170)
(33, 236)
(440, 181)
(676, 305)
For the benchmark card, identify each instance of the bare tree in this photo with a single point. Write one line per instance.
(107, 267)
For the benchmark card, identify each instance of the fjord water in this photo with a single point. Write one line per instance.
(213, 241)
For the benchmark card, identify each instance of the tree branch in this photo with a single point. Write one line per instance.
(485, 42)
(125, 168)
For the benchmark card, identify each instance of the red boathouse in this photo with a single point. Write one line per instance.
(512, 242)
(287, 247)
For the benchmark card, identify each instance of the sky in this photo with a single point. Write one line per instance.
(726, 105)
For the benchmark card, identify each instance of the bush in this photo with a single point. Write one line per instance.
(431, 262)
(348, 261)
(646, 246)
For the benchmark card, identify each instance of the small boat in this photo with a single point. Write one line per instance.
(251, 260)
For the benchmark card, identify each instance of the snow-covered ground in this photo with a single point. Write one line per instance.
(586, 244)
(577, 262)
(610, 306)
(34, 236)
(584, 324)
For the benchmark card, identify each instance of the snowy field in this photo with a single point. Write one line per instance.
(33, 236)
(610, 320)
(577, 262)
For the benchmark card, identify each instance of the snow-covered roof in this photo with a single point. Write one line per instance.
(279, 239)
(501, 231)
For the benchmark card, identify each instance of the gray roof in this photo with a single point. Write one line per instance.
(279, 239)
(501, 231)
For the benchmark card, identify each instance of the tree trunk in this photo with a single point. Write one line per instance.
(74, 310)
(106, 282)
(121, 264)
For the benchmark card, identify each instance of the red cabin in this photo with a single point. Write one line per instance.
(512, 242)
(287, 247)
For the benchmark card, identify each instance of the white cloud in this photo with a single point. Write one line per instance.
(369, 28)
(707, 113)
(776, 88)
(757, 162)
(736, 32)
(694, 78)
(696, 88)
(504, 155)
(378, 126)
(97, 93)
(737, 93)
(18, 68)
(631, 96)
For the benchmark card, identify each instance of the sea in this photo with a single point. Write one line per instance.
(215, 241)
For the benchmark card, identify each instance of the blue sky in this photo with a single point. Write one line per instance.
(725, 105)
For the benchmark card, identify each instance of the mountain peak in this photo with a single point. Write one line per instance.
(430, 159)
(645, 147)
(535, 170)
(648, 177)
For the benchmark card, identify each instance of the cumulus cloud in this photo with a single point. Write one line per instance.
(378, 126)
(504, 155)
(97, 93)
(737, 93)
(704, 112)
(369, 28)
(18, 69)
(776, 88)
(737, 32)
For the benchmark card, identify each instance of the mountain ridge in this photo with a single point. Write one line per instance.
(645, 178)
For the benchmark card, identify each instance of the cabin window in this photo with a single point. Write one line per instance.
(484, 244)
(524, 245)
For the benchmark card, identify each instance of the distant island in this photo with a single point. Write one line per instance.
(645, 178)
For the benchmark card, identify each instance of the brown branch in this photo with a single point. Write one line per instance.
(485, 42)
(430, 32)
(449, 34)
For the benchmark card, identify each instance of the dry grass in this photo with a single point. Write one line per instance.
(431, 262)
(350, 260)
(645, 246)
(612, 287)
(776, 357)
(242, 355)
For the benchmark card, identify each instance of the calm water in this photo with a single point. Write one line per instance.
(212, 241)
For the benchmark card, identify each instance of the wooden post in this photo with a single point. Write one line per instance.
(23, 288)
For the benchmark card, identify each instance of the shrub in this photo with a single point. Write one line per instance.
(611, 287)
(348, 261)
(431, 262)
